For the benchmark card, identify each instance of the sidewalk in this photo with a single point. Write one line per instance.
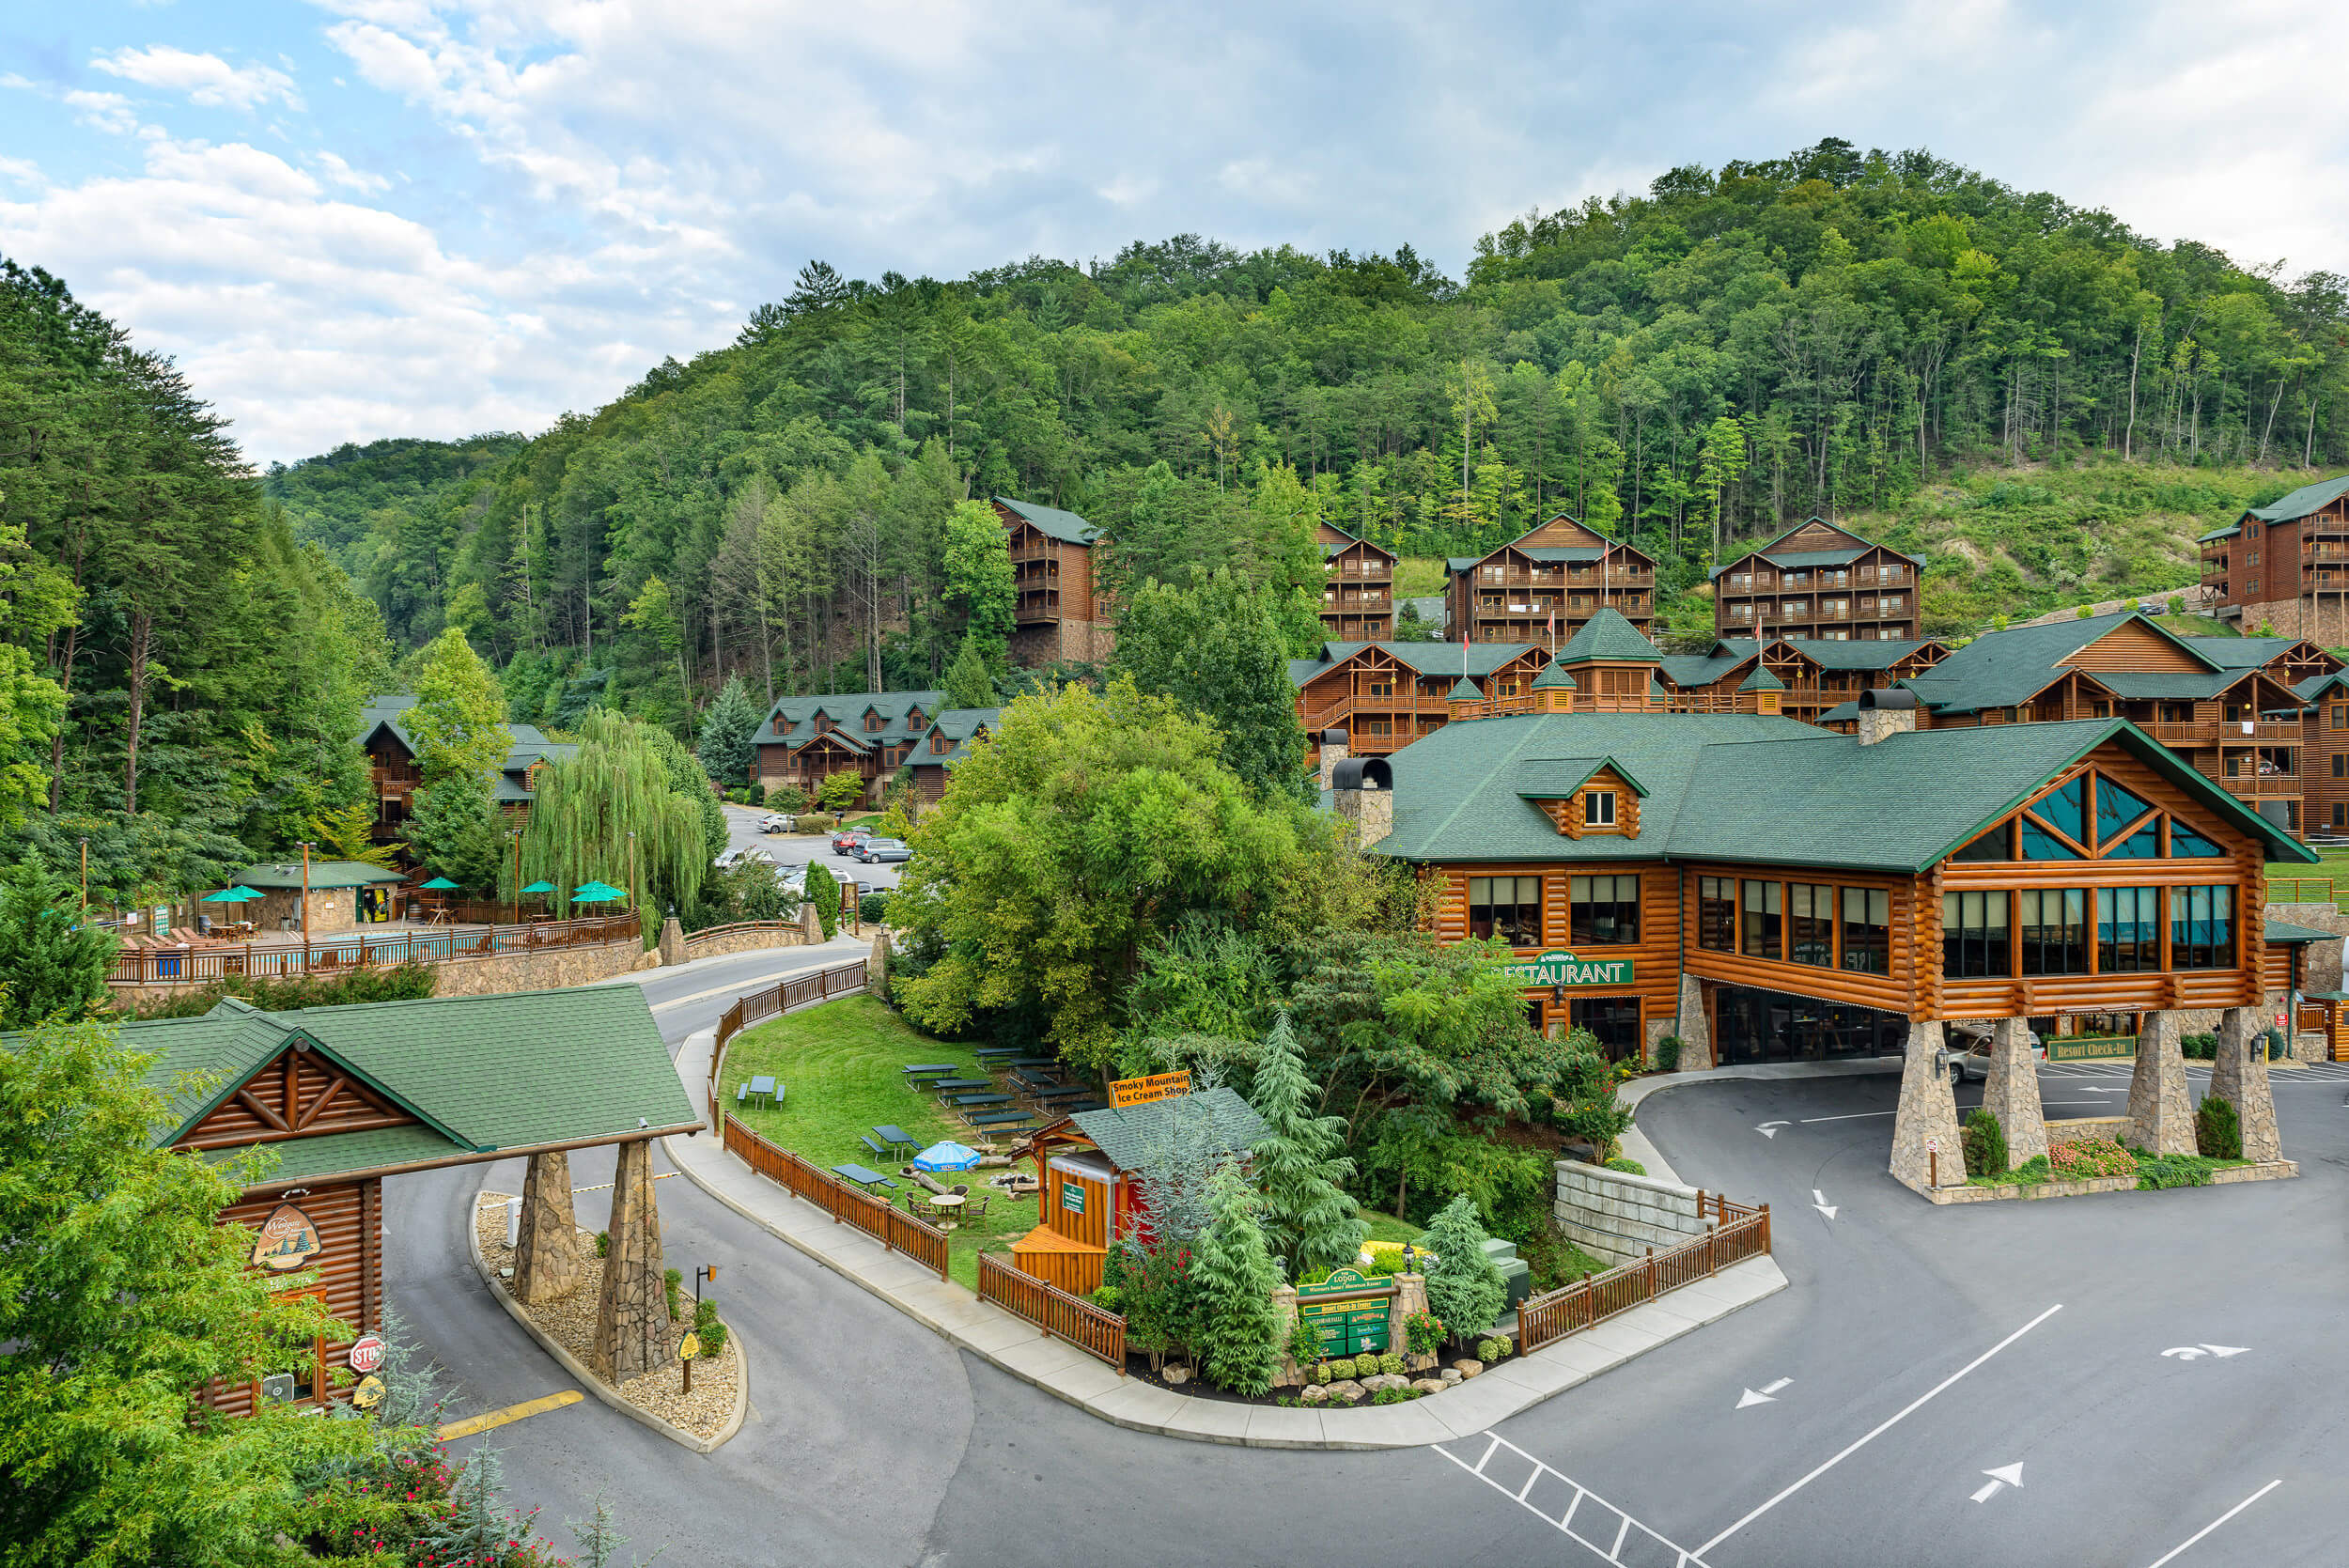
(1066, 1373)
(1635, 1142)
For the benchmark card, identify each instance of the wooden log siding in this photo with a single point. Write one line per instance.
(349, 1269)
(1545, 1319)
(1906, 955)
(1061, 1316)
(1655, 957)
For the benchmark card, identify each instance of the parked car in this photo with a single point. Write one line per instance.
(775, 822)
(847, 839)
(1972, 1060)
(876, 850)
(733, 858)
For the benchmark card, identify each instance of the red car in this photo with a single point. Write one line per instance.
(847, 839)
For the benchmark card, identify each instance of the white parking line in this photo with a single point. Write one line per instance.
(2215, 1523)
(1564, 1523)
(1881, 1429)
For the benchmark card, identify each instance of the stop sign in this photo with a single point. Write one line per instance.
(366, 1352)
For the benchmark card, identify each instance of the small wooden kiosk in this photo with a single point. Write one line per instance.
(1089, 1169)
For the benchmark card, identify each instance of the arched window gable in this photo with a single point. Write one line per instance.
(2053, 827)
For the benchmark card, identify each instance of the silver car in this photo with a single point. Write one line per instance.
(1964, 1061)
(876, 850)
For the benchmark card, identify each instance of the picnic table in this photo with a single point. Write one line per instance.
(949, 1086)
(1060, 1091)
(986, 1052)
(997, 1118)
(964, 1102)
(1083, 1105)
(919, 1068)
(1033, 1077)
(1036, 1062)
(894, 1135)
(762, 1088)
(864, 1178)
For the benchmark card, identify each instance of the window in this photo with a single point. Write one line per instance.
(1509, 908)
(2053, 925)
(1810, 923)
(2041, 844)
(2116, 808)
(1613, 1022)
(2128, 930)
(1991, 846)
(1717, 914)
(2341, 814)
(1762, 937)
(1606, 911)
(1973, 935)
(2340, 765)
(1868, 930)
(2201, 928)
(2188, 844)
(2142, 845)
(1598, 808)
(2340, 715)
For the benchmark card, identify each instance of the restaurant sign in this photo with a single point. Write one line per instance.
(1141, 1091)
(287, 1241)
(1557, 966)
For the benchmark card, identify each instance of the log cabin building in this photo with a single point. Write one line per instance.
(343, 1098)
(2285, 564)
(395, 775)
(1382, 696)
(1541, 587)
(1058, 613)
(1818, 581)
(805, 740)
(1769, 891)
(1358, 592)
(946, 745)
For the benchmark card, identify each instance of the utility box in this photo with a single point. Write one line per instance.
(1517, 1276)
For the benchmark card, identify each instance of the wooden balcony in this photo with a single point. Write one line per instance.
(2222, 732)
(2260, 786)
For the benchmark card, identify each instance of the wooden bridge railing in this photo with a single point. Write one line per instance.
(1060, 1316)
(215, 962)
(895, 1229)
(1743, 1232)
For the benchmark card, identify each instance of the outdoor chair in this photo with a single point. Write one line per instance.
(961, 1189)
(976, 1208)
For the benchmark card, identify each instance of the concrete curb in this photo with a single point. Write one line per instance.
(596, 1385)
(1014, 1345)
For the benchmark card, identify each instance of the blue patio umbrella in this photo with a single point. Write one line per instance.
(598, 893)
(948, 1156)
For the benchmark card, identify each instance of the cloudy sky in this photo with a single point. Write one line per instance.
(361, 218)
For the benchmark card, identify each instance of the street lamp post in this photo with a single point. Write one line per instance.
(305, 905)
(632, 873)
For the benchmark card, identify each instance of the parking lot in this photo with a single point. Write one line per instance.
(793, 851)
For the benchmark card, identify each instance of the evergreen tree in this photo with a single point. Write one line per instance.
(729, 729)
(51, 965)
(478, 1528)
(822, 889)
(1309, 1220)
(1464, 1285)
(459, 832)
(968, 684)
(1238, 1328)
(1219, 648)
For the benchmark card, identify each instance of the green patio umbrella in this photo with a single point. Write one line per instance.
(539, 887)
(232, 895)
(598, 893)
(440, 884)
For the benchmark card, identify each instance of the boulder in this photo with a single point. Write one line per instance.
(1315, 1394)
(1377, 1381)
(1430, 1385)
(1452, 1376)
(1344, 1392)
(1468, 1368)
(1177, 1377)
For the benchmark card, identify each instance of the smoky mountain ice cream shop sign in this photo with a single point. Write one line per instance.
(1559, 967)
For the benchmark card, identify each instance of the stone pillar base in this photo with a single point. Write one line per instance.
(1927, 1117)
(1695, 1031)
(547, 1265)
(2161, 1108)
(2239, 1077)
(632, 1328)
(2012, 1092)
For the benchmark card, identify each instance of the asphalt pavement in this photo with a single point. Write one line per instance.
(795, 851)
(2153, 1361)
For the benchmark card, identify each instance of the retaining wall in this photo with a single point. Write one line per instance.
(1616, 1216)
(783, 934)
(2065, 1131)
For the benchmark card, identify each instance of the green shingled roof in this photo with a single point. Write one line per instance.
(1606, 635)
(2170, 685)
(1554, 678)
(323, 874)
(1556, 778)
(1132, 1138)
(1852, 653)
(2243, 653)
(483, 1073)
(1756, 789)
(2284, 931)
(1762, 681)
(1689, 670)
(1465, 691)
(2005, 669)
(2300, 503)
(2317, 686)
(526, 743)
(1424, 658)
(1068, 527)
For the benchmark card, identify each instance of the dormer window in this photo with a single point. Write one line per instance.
(1598, 808)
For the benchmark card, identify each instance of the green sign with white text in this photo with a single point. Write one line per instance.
(1557, 966)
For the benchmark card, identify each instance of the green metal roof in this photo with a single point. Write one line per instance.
(2284, 931)
(1554, 678)
(2243, 653)
(1756, 789)
(1606, 635)
(1762, 681)
(2005, 669)
(1132, 1138)
(2300, 503)
(1852, 653)
(323, 874)
(484, 1073)
(1068, 527)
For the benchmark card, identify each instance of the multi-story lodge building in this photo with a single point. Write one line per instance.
(1540, 588)
(873, 734)
(395, 775)
(1769, 891)
(1358, 590)
(1385, 695)
(1821, 581)
(946, 745)
(1059, 612)
(2285, 564)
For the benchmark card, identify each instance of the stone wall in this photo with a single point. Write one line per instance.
(2320, 968)
(538, 972)
(1616, 1216)
(2063, 1131)
(773, 934)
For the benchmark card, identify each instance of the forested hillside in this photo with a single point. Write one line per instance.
(1860, 336)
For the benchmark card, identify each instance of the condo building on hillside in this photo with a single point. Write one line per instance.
(1818, 581)
(1541, 587)
(2284, 567)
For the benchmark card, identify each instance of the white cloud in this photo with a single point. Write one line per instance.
(206, 79)
(107, 112)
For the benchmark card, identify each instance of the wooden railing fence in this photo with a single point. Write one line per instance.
(1059, 1314)
(1742, 1233)
(773, 1002)
(201, 965)
(895, 1229)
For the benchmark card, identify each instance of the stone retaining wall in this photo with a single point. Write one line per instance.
(2087, 1127)
(1618, 1216)
(791, 935)
(538, 972)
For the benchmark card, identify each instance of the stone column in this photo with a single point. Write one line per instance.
(2161, 1111)
(2239, 1077)
(1696, 1035)
(2012, 1092)
(672, 942)
(1410, 1296)
(811, 923)
(1927, 1115)
(1284, 1307)
(632, 1328)
(545, 1263)
(877, 966)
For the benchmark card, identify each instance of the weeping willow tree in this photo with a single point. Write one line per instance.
(619, 783)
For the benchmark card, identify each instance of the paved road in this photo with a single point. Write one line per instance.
(795, 851)
(1920, 1344)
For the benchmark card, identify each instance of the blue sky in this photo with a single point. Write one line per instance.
(363, 218)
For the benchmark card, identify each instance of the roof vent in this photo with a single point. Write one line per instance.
(1895, 698)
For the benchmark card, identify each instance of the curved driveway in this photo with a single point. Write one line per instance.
(872, 1441)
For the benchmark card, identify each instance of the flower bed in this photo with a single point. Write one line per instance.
(2095, 1159)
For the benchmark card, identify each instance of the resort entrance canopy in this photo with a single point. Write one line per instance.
(338, 1099)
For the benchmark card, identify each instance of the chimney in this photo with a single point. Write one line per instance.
(1332, 752)
(1362, 789)
(1887, 710)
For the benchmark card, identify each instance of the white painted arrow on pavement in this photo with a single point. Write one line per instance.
(1769, 1129)
(1767, 1396)
(2004, 1476)
(1818, 1201)
(2196, 1352)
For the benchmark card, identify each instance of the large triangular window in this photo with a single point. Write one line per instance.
(2057, 826)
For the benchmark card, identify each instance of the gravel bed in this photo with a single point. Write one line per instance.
(572, 1323)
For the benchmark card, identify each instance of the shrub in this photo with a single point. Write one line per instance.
(817, 822)
(1628, 1166)
(893, 824)
(1305, 1342)
(756, 795)
(1386, 1396)
(1424, 1333)
(824, 892)
(1668, 1054)
(1985, 1145)
(1109, 1299)
(1321, 1372)
(2079, 1158)
(1493, 1350)
(2155, 1171)
(788, 798)
(604, 1244)
(1366, 1365)
(872, 908)
(670, 1280)
(1464, 1286)
(711, 1332)
(2218, 1130)
(1392, 1363)
(2198, 1047)
(2177, 604)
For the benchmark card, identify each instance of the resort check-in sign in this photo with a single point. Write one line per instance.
(1557, 966)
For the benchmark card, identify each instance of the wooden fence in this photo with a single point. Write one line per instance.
(775, 1000)
(1743, 1232)
(895, 1229)
(1059, 1314)
(196, 965)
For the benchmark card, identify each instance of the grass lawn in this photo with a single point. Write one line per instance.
(1419, 575)
(840, 1063)
(2334, 865)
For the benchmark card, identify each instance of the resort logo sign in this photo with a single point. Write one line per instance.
(287, 1241)
(1557, 966)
